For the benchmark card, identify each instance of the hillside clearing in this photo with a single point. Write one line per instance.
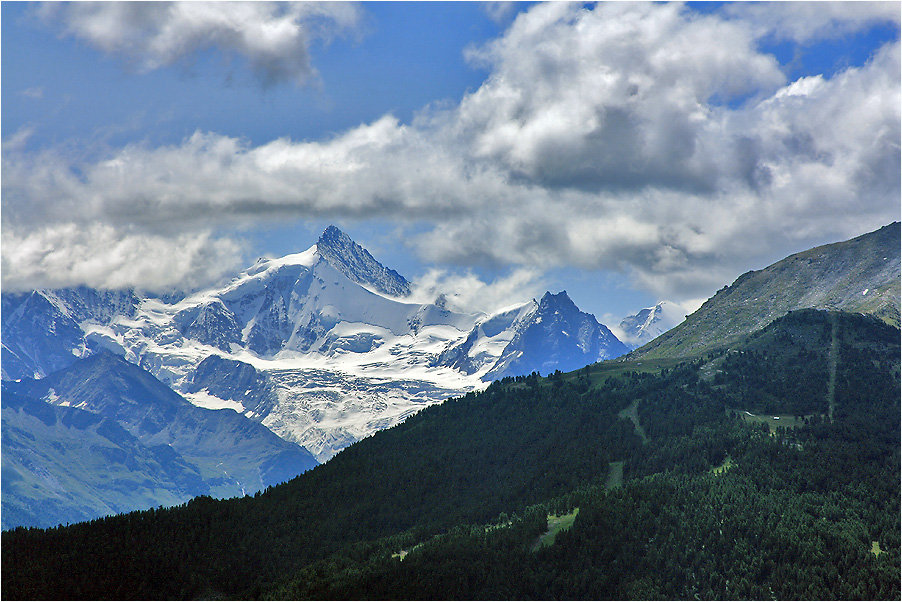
(632, 412)
(556, 524)
(772, 421)
(615, 475)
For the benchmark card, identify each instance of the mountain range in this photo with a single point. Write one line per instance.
(312, 351)
(104, 436)
(323, 347)
(709, 478)
(741, 454)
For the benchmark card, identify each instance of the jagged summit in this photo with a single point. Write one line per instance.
(560, 300)
(356, 263)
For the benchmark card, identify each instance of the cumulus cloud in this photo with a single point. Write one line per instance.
(273, 36)
(641, 138)
(618, 97)
(379, 168)
(807, 21)
(663, 180)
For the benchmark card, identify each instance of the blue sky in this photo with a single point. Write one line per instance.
(403, 57)
(627, 153)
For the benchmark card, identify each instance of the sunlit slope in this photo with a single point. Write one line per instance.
(860, 275)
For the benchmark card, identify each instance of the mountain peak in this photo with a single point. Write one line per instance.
(561, 299)
(557, 335)
(332, 236)
(649, 323)
(355, 262)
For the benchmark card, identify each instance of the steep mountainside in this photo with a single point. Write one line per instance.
(356, 263)
(193, 451)
(858, 275)
(67, 465)
(323, 347)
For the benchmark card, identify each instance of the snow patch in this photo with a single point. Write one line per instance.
(203, 399)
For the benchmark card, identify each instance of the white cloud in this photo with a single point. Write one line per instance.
(383, 168)
(602, 139)
(499, 12)
(467, 292)
(103, 257)
(808, 21)
(273, 36)
(36, 93)
(614, 97)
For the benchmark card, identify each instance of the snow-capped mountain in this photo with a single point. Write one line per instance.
(324, 347)
(649, 323)
(42, 331)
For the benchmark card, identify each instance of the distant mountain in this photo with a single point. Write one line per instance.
(650, 323)
(154, 446)
(859, 275)
(67, 465)
(323, 347)
(44, 331)
(556, 336)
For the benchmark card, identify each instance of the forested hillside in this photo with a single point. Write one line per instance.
(767, 470)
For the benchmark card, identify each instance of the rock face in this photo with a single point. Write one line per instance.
(234, 381)
(38, 337)
(356, 263)
(323, 347)
(160, 448)
(859, 275)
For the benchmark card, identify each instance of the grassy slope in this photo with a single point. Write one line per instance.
(829, 277)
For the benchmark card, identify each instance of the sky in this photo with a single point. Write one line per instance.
(626, 152)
